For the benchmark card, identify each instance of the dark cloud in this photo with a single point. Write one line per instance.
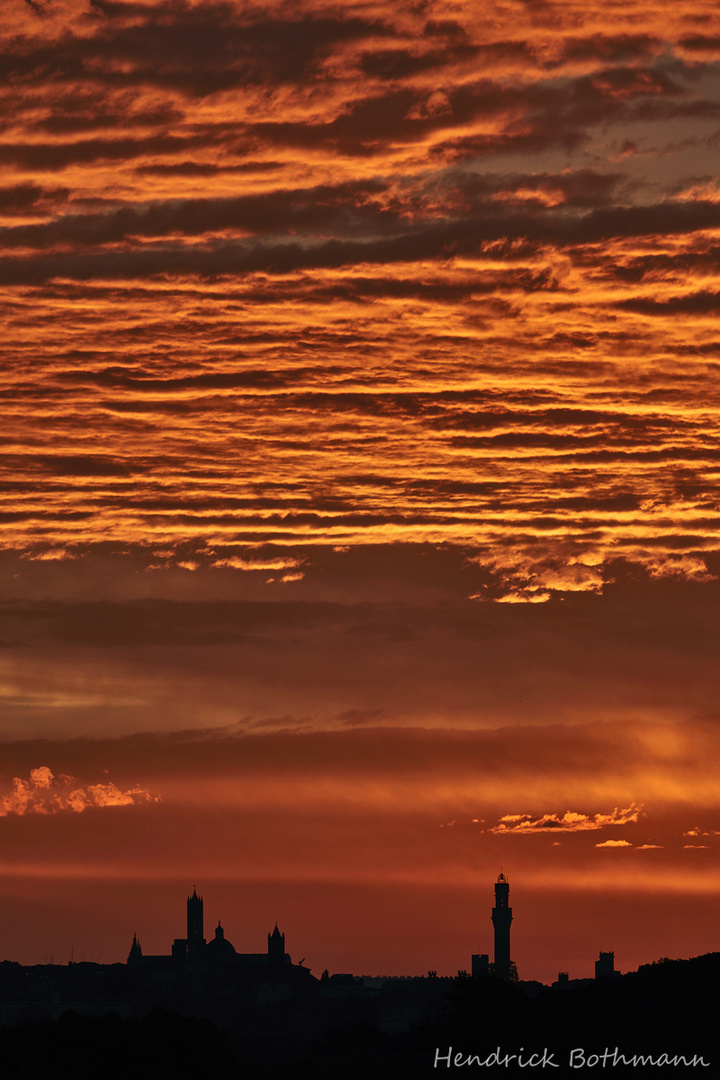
(559, 417)
(148, 623)
(439, 241)
(446, 28)
(700, 43)
(220, 380)
(396, 64)
(70, 121)
(197, 168)
(245, 51)
(651, 111)
(607, 47)
(660, 267)
(31, 198)
(78, 464)
(553, 113)
(323, 209)
(698, 303)
(55, 156)
(565, 443)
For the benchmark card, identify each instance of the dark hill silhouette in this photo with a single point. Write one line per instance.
(159, 1046)
(668, 1007)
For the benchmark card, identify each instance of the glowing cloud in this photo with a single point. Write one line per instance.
(44, 793)
(570, 821)
(614, 843)
(234, 562)
(49, 555)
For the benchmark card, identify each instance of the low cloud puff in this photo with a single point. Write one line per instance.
(44, 793)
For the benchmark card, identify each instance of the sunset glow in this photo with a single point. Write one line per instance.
(359, 512)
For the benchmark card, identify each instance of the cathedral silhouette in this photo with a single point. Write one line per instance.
(193, 954)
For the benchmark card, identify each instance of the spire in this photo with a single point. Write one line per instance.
(276, 943)
(135, 954)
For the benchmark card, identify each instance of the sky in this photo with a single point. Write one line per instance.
(359, 509)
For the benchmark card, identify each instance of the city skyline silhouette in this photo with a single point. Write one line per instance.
(195, 952)
(264, 1009)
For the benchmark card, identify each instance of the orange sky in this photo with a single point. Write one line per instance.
(359, 520)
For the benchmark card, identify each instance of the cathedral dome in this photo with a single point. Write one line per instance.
(219, 947)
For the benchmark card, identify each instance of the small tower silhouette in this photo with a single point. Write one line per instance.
(276, 945)
(502, 917)
(135, 955)
(480, 968)
(605, 965)
(195, 939)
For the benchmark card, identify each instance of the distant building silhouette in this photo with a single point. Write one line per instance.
(605, 965)
(480, 968)
(502, 917)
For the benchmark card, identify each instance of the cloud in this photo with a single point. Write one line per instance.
(43, 793)
(268, 302)
(331, 237)
(156, 622)
(235, 562)
(571, 821)
(699, 303)
(327, 209)
(199, 168)
(49, 555)
(614, 844)
(30, 199)
(247, 50)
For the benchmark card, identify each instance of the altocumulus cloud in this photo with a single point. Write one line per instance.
(43, 793)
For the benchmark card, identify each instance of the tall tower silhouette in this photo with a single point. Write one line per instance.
(502, 917)
(195, 939)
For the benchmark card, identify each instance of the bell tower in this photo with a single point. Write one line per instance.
(195, 939)
(502, 917)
